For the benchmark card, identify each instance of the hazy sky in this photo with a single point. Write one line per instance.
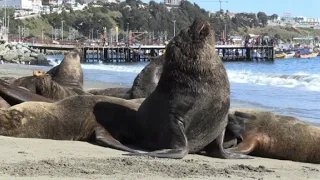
(308, 8)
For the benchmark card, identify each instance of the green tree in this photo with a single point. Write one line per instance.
(263, 18)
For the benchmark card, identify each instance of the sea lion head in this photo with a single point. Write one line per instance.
(70, 72)
(44, 85)
(192, 43)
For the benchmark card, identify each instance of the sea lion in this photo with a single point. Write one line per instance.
(38, 73)
(48, 88)
(65, 79)
(143, 85)
(147, 80)
(73, 118)
(69, 72)
(15, 95)
(114, 92)
(27, 82)
(276, 136)
(187, 112)
(8, 79)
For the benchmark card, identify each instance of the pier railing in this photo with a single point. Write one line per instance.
(108, 54)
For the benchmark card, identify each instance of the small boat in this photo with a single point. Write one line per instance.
(311, 55)
(280, 56)
(290, 55)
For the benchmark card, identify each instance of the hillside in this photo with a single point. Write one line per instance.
(153, 17)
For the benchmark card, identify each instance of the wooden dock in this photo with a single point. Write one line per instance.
(111, 54)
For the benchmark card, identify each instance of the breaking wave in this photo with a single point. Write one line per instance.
(306, 81)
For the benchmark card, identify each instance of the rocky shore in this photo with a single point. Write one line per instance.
(14, 52)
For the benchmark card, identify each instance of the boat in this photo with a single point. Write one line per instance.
(290, 54)
(311, 55)
(280, 56)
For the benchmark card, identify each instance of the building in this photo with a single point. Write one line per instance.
(172, 3)
(17, 4)
(34, 6)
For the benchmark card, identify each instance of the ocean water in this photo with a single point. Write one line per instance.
(286, 86)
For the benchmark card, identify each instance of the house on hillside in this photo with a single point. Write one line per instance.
(172, 3)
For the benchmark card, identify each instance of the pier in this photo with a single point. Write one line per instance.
(111, 54)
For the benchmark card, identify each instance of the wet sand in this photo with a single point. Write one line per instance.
(23, 158)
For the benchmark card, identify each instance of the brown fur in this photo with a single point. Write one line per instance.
(16, 94)
(69, 72)
(73, 118)
(38, 73)
(8, 79)
(147, 80)
(114, 92)
(48, 88)
(27, 82)
(276, 136)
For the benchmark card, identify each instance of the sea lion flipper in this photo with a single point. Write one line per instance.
(215, 149)
(104, 138)
(15, 95)
(245, 115)
(175, 153)
(164, 153)
(246, 146)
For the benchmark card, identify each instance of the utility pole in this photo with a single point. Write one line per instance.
(128, 33)
(62, 30)
(8, 24)
(219, 1)
(42, 34)
(5, 15)
(92, 34)
(98, 34)
(174, 27)
(19, 33)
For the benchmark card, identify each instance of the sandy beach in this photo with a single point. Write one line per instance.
(23, 158)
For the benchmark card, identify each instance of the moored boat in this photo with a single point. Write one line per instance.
(311, 55)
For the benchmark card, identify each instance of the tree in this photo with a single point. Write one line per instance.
(262, 18)
(277, 36)
(274, 16)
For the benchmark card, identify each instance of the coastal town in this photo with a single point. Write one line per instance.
(302, 46)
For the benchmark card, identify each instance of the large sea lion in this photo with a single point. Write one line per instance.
(276, 136)
(74, 118)
(187, 112)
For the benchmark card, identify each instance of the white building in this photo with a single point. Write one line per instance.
(30, 5)
(17, 4)
(172, 3)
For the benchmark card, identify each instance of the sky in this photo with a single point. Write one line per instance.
(307, 8)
